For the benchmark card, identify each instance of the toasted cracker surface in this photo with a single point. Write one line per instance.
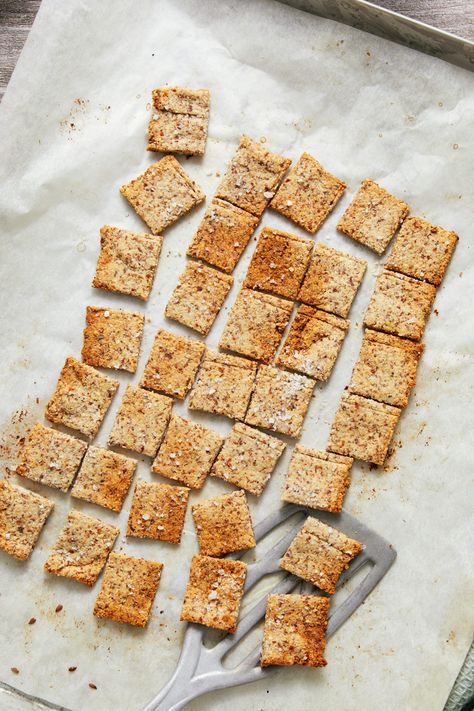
(400, 305)
(51, 457)
(127, 262)
(82, 548)
(104, 478)
(141, 421)
(157, 511)
(308, 194)
(172, 364)
(82, 397)
(128, 589)
(332, 280)
(373, 216)
(112, 338)
(22, 517)
(170, 132)
(295, 630)
(223, 524)
(319, 553)
(162, 194)
(182, 100)
(214, 592)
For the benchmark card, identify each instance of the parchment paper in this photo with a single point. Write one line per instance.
(73, 125)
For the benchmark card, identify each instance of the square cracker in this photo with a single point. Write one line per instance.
(141, 421)
(317, 479)
(279, 263)
(255, 325)
(295, 630)
(187, 452)
(22, 517)
(332, 280)
(363, 428)
(222, 235)
(158, 511)
(319, 554)
(386, 368)
(224, 385)
(279, 401)
(214, 592)
(172, 364)
(308, 194)
(252, 177)
(373, 216)
(162, 194)
(128, 589)
(422, 250)
(82, 548)
(51, 457)
(179, 120)
(223, 524)
(247, 458)
(112, 338)
(82, 397)
(400, 305)
(127, 262)
(313, 343)
(198, 297)
(104, 478)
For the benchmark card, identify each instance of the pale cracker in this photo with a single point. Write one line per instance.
(319, 553)
(181, 100)
(104, 478)
(308, 194)
(332, 280)
(82, 397)
(51, 457)
(223, 524)
(162, 194)
(198, 297)
(112, 338)
(22, 517)
(172, 364)
(187, 452)
(214, 592)
(373, 216)
(157, 511)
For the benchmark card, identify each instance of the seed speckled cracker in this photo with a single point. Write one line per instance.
(279, 401)
(179, 120)
(386, 368)
(51, 457)
(128, 589)
(400, 305)
(141, 421)
(279, 263)
(82, 397)
(112, 338)
(172, 364)
(214, 592)
(224, 385)
(332, 280)
(162, 194)
(222, 235)
(82, 548)
(104, 478)
(248, 458)
(22, 517)
(320, 554)
(223, 524)
(198, 297)
(127, 262)
(317, 479)
(363, 428)
(373, 216)
(295, 630)
(252, 177)
(158, 511)
(313, 342)
(308, 194)
(255, 325)
(187, 452)
(422, 250)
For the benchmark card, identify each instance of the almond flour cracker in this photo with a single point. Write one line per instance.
(104, 478)
(223, 524)
(112, 338)
(179, 120)
(172, 364)
(157, 511)
(22, 517)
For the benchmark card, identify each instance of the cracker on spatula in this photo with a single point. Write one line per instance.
(179, 120)
(112, 338)
(223, 524)
(22, 517)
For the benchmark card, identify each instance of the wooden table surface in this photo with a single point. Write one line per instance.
(16, 18)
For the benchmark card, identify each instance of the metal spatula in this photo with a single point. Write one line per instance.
(200, 669)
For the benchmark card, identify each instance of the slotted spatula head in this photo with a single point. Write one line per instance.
(200, 669)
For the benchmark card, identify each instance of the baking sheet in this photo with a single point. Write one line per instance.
(73, 125)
